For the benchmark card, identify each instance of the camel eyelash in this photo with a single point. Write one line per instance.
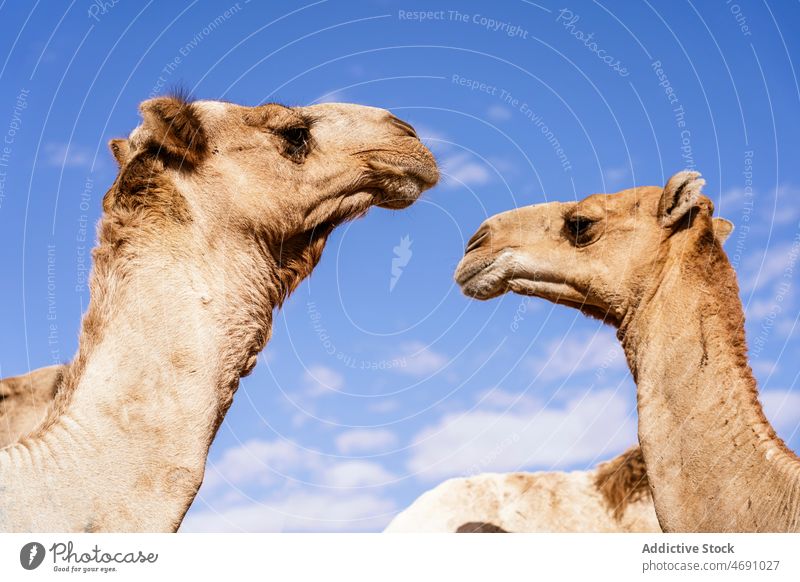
(577, 227)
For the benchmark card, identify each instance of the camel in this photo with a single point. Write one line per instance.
(647, 261)
(217, 213)
(614, 497)
(24, 401)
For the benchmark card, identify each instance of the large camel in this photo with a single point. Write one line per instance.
(614, 497)
(217, 214)
(647, 261)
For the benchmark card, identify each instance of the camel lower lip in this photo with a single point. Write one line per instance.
(470, 277)
(408, 190)
(468, 272)
(395, 204)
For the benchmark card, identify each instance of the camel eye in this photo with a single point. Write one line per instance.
(578, 228)
(297, 138)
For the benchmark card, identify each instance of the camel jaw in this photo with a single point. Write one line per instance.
(484, 276)
(401, 179)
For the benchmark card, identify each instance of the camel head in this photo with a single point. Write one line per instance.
(273, 178)
(596, 255)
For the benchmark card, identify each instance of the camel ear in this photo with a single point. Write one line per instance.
(722, 229)
(173, 130)
(682, 194)
(120, 150)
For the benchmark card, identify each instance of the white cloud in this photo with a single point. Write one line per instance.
(360, 440)
(383, 405)
(763, 367)
(461, 170)
(499, 399)
(594, 425)
(357, 473)
(762, 270)
(419, 360)
(300, 511)
(279, 475)
(322, 380)
(335, 96)
(782, 408)
(597, 352)
(426, 133)
(788, 211)
(255, 461)
(617, 174)
(767, 207)
(499, 113)
(67, 155)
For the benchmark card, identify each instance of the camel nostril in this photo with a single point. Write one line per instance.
(477, 239)
(402, 125)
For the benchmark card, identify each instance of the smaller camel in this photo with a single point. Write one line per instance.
(523, 502)
(648, 260)
(24, 400)
(614, 497)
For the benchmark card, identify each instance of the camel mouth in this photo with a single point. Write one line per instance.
(481, 276)
(403, 176)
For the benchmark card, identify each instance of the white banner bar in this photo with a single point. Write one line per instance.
(400, 557)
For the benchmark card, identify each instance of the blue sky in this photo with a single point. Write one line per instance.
(375, 387)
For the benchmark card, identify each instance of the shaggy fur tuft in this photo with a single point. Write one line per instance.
(176, 133)
(623, 480)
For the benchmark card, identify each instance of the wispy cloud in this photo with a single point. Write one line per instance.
(782, 408)
(499, 399)
(308, 511)
(69, 155)
(255, 461)
(589, 427)
(357, 473)
(264, 485)
(615, 175)
(463, 170)
(362, 440)
(321, 380)
(334, 96)
(762, 270)
(419, 360)
(580, 353)
(499, 113)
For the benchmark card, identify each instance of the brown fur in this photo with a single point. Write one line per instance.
(623, 480)
(176, 131)
(142, 185)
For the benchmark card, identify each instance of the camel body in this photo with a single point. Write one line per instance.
(614, 497)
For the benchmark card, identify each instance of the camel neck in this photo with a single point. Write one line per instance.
(161, 352)
(713, 460)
